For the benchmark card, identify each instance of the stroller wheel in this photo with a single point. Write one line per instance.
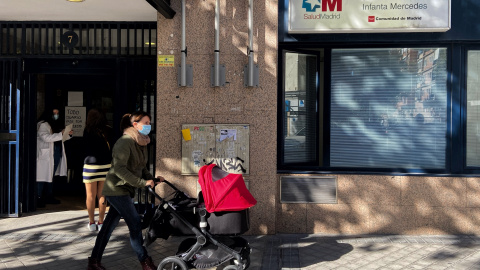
(172, 263)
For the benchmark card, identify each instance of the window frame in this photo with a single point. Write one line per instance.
(455, 160)
(281, 100)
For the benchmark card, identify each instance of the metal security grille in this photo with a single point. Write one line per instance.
(78, 38)
(295, 189)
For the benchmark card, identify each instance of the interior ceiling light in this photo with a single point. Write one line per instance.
(75, 0)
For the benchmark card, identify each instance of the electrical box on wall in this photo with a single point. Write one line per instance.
(225, 145)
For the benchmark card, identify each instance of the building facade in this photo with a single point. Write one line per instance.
(349, 132)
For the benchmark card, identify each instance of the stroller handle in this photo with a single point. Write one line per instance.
(157, 181)
(166, 182)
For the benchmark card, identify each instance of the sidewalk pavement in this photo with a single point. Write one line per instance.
(60, 240)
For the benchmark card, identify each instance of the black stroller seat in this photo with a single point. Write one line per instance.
(216, 232)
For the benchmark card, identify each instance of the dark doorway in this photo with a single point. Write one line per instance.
(66, 91)
(115, 86)
(120, 56)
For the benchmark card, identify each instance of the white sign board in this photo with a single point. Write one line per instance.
(77, 117)
(75, 98)
(375, 16)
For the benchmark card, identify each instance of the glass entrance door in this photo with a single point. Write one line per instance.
(9, 138)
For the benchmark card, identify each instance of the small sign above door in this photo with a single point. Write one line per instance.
(69, 39)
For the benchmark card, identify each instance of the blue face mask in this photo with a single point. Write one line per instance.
(145, 129)
(55, 116)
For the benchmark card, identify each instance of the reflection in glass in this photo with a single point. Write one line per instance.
(300, 108)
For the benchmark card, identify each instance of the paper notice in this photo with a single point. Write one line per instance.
(228, 133)
(68, 128)
(186, 134)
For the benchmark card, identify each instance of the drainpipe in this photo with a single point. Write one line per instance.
(250, 43)
(185, 72)
(251, 70)
(183, 80)
(218, 71)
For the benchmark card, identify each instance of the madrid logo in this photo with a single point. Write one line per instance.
(325, 5)
(311, 5)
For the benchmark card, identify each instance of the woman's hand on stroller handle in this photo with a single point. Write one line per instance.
(150, 183)
(154, 182)
(159, 179)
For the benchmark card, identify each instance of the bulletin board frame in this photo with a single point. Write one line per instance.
(227, 145)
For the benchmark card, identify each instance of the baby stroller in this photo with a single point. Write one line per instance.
(215, 219)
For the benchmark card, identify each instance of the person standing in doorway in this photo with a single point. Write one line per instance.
(128, 172)
(97, 140)
(50, 160)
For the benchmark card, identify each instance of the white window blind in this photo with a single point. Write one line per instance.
(473, 109)
(388, 108)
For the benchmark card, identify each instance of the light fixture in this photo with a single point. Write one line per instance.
(75, 0)
(150, 43)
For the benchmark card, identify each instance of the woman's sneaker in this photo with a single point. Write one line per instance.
(92, 227)
(99, 226)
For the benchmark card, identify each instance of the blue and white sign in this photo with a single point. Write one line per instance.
(357, 16)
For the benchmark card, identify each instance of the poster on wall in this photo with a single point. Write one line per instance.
(225, 145)
(375, 16)
(76, 116)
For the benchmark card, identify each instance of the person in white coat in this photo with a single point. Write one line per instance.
(49, 163)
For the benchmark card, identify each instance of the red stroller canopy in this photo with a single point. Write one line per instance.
(224, 194)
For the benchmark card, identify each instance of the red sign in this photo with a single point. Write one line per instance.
(331, 5)
(371, 18)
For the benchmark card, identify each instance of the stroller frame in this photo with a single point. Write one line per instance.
(241, 259)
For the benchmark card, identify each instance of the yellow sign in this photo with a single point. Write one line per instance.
(186, 134)
(166, 61)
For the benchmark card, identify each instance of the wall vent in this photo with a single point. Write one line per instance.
(298, 189)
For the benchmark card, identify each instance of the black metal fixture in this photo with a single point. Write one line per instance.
(163, 6)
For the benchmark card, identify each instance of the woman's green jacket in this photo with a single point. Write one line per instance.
(128, 171)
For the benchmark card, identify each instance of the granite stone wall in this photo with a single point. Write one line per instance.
(232, 104)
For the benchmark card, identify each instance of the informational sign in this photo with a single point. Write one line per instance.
(357, 16)
(75, 98)
(77, 117)
(166, 60)
(225, 145)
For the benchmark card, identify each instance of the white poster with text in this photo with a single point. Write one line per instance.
(77, 117)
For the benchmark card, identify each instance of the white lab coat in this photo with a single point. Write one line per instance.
(45, 162)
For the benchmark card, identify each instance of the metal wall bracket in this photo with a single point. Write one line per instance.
(221, 78)
(189, 74)
(255, 76)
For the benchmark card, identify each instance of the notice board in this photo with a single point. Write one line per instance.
(226, 145)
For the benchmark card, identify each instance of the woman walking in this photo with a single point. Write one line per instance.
(128, 172)
(96, 164)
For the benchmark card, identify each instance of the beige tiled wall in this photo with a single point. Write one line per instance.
(390, 204)
(232, 104)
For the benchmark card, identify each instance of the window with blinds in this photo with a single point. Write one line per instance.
(388, 108)
(473, 108)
